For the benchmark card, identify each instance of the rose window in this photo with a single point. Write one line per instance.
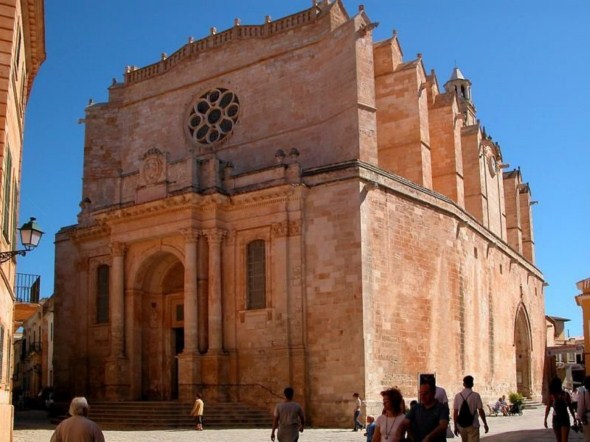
(213, 116)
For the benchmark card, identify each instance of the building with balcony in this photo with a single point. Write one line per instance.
(22, 50)
(33, 349)
(566, 354)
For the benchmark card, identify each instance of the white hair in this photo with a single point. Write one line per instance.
(79, 406)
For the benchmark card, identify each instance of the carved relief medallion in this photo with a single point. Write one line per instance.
(152, 169)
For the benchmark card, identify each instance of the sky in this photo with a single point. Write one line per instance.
(527, 60)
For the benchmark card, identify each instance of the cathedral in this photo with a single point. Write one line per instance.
(293, 203)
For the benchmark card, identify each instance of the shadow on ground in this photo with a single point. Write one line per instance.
(529, 436)
(32, 419)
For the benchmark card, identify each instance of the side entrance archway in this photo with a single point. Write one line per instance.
(523, 348)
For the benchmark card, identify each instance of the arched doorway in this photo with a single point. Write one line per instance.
(159, 331)
(523, 347)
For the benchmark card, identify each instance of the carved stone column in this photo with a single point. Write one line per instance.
(117, 386)
(117, 307)
(79, 365)
(190, 290)
(188, 360)
(215, 361)
(214, 237)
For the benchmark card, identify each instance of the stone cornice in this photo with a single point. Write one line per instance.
(267, 196)
(188, 201)
(34, 36)
(178, 202)
(81, 234)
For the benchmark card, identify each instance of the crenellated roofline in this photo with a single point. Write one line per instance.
(236, 33)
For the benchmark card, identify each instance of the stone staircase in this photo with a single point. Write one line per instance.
(531, 404)
(173, 414)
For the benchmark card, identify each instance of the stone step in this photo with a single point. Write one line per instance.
(171, 414)
(532, 404)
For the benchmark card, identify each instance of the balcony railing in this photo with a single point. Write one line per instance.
(27, 288)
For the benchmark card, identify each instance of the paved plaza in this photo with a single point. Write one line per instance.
(32, 427)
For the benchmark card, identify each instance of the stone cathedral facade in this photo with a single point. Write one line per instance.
(293, 203)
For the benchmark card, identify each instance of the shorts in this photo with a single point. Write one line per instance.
(561, 421)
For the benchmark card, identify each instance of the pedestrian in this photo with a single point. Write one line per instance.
(560, 401)
(198, 410)
(78, 427)
(389, 425)
(357, 412)
(440, 394)
(288, 418)
(370, 428)
(583, 411)
(469, 431)
(429, 420)
(574, 398)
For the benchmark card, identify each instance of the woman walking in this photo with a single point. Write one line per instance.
(561, 403)
(389, 424)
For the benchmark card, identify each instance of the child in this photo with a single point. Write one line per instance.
(370, 428)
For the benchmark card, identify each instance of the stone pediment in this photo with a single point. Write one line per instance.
(237, 33)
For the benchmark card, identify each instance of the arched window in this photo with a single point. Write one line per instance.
(102, 294)
(256, 275)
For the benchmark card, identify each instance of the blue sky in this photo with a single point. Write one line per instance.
(527, 60)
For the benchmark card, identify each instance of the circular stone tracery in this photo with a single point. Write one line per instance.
(213, 116)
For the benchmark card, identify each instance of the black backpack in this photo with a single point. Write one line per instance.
(465, 418)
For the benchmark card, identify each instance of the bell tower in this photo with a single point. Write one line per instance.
(461, 87)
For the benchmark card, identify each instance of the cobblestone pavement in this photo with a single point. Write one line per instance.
(32, 427)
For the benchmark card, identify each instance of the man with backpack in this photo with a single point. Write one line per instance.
(466, 407)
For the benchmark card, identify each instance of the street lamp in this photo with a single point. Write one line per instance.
(30, 235)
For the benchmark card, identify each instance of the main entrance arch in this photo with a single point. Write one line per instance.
(158, 327)
(523, 348)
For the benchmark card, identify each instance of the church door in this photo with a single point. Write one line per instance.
(522, 346)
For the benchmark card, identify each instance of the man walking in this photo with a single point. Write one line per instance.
(357, 412)
(466, 407)
(428, 420)
(288, 418)
(78, 427)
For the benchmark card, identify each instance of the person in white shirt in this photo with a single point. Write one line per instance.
(440, 394)
(358, 425)
(469, 433)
